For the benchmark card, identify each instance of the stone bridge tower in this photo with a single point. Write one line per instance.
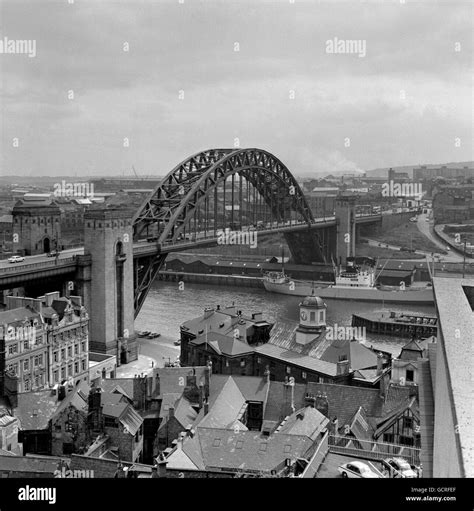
(345, 208)
(108, 241)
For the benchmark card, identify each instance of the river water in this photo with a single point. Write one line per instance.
(167, 307)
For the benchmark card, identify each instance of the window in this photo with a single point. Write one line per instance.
(12, 349)
(288, 370)
(76, 349)
(56, 376)
(26, 365)
(76, 367)
(312, 316)
(83, 346)
(55, 356)
(242, 362)
(303, 375)
(410, 375)
(63, 373)
(63, 354)
(40, 360)
(27, 385)
(321, 316)
(407, 422)
(69, 351)
(36, 361)
(110, 422)
(26, 345)
(83, 365)
(69, 370)
(36, 381)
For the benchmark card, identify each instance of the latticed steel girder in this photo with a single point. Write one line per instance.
(176, 200)
(173, 203)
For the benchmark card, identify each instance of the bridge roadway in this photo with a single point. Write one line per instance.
(42, 266)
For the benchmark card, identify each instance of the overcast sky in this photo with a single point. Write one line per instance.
(404, 102)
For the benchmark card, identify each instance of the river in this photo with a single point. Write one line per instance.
(167, 307)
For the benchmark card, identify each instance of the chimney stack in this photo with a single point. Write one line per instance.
(379, 364)
(342, 367)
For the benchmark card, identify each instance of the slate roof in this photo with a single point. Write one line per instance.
(126, 415)
(118, 385)
(224, 408)
(253, 388)
(168, 379)
(168, 400)
(343, 400)
(17, 315)
(307, 421)
(224, 344)
(247, 450)
(359, 356)
(292, 357)
(6, 420)
(78, 398)
(28, 464)
(35, 409)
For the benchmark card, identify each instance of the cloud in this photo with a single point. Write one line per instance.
(403, 103)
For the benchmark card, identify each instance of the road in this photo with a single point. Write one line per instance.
(39, 258)
(425, 227)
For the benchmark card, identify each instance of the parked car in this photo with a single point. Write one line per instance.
(357, 469)
(401, 466)
(16, 259)
(53, 253)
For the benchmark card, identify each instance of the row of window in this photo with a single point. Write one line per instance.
(40, 220)
(71, 370)
(59, 355)
(38, 382)
(72, 333)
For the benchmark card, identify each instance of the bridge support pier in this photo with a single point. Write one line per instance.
(108, 242)
(346, 227)
(312, 245)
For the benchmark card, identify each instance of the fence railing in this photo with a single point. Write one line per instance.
(53, 263)
(373, 450)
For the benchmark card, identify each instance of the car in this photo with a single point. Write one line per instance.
(54, 253)
(357, 469)
(400, 466)
(16, 259)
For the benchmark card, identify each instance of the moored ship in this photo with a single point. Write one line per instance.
(355, 282)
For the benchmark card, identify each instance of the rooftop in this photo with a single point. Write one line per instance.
(456, 324)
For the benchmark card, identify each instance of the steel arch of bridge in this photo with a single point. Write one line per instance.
(175, 201)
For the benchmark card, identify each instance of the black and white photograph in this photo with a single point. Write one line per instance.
(236, 242)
